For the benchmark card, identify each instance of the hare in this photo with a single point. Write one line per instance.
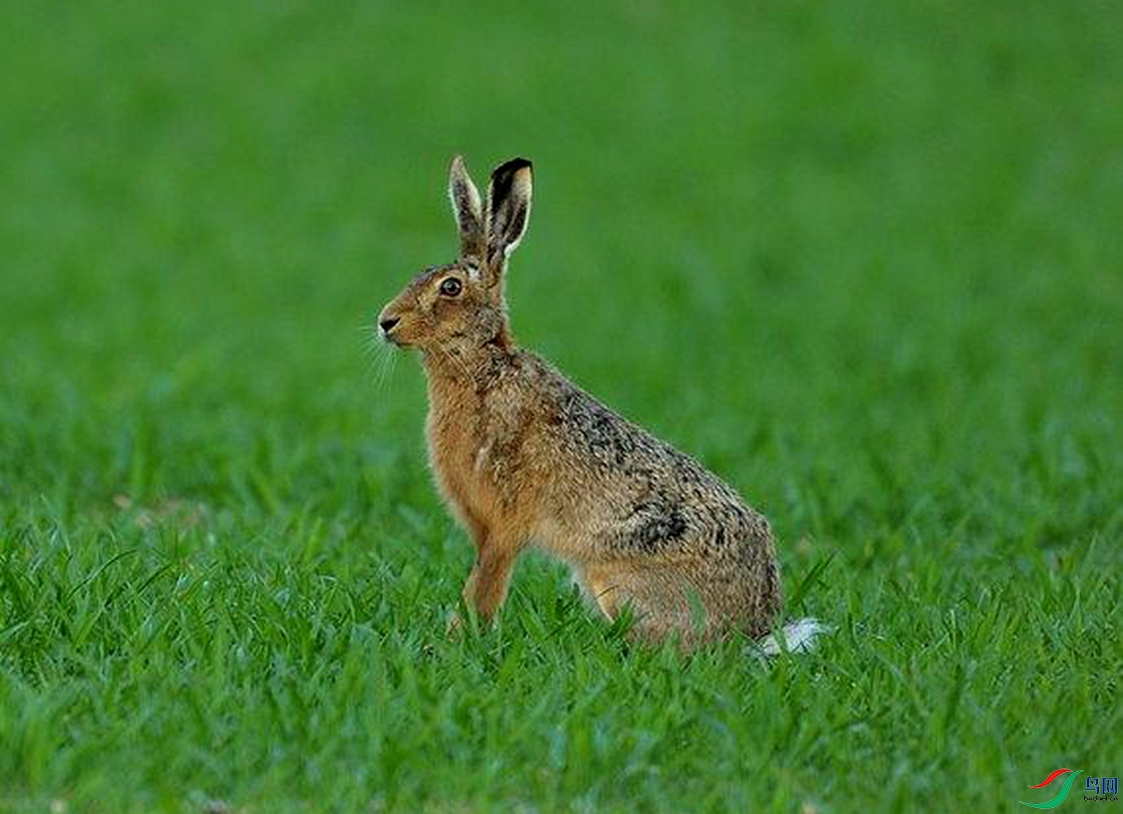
(523, 456)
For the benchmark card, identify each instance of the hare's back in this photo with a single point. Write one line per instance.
(643, 493)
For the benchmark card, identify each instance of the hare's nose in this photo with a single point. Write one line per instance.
(388, 324)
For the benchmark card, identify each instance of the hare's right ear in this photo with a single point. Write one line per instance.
(466, 208)
(507, 212)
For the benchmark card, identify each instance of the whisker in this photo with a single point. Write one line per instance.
(381, 356)
(387, 360)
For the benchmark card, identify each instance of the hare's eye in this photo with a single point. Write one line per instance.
(450, 287)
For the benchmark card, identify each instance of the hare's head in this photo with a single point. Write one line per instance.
(459, 306)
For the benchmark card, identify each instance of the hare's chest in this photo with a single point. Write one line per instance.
(474, 455)
(457, 448)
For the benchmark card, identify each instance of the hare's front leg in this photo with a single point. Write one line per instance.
(486, 587)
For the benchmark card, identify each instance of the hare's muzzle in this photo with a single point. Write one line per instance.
(386, 325)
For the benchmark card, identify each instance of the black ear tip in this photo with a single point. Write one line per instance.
(509, 168)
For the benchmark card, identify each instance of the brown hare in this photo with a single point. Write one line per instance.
(525, 457)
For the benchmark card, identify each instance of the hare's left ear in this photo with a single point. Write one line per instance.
(466, 208)
(507, 212)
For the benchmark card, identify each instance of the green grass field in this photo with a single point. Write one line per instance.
(863, 259)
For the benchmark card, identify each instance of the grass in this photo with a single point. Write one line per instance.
(863, 260)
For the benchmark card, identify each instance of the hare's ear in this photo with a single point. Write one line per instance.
(466, 208)
(508, 211)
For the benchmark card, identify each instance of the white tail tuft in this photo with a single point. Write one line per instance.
(796, 637)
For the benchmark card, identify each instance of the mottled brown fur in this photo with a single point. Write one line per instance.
(524, 457)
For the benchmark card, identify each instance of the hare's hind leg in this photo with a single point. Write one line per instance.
(602, 589)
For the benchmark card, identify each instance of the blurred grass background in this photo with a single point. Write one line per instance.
(861, 258)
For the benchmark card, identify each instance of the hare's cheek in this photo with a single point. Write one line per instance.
(443, 310)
